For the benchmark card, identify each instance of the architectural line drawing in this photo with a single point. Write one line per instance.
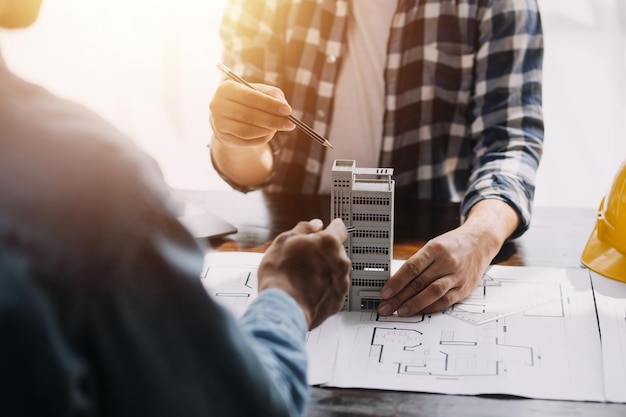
(512, 297)
(364, 198)
(549, 351)
(234, 287)
(443, 354)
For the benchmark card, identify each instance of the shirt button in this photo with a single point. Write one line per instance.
(321, 114)
(331, 58)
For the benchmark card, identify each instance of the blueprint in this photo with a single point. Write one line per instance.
(525, 331)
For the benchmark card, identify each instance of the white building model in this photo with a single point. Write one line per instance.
(364, 199)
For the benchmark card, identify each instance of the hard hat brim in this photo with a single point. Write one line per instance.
(603, 258)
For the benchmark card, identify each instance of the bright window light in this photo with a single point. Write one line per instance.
(147, 66)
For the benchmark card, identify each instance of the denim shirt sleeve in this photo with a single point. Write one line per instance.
(276, 328)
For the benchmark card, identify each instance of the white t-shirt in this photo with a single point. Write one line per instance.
(357, 122)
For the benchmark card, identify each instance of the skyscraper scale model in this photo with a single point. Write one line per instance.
(364, 199)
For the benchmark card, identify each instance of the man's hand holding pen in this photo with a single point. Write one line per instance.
(244, 121)
(248, 117)
(282, 110)
(245, 117)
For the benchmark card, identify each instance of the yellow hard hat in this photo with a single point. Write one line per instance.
(605, 252)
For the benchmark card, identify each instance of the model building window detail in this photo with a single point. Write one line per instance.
(364, 199)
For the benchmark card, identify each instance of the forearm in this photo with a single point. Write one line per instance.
(494, 221)
(246, 166)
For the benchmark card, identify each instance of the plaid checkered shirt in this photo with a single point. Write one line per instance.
(463, 119)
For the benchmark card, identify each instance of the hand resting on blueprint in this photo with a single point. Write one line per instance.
(310, 264)
(451, 265)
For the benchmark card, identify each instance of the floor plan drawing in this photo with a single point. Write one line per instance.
(456, 354)
(499, 297)
(524, 340)
(526, 331)
(232, 286)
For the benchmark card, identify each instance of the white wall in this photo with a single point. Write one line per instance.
(584, 100)
(149, 67)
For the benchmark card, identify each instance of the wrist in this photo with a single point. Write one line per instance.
(493, 221)
(244, 168)
(284, 285)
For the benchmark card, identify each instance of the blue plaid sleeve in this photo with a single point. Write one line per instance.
(508, 123)
(276, 328)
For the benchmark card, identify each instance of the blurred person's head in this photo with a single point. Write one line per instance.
(18, 13)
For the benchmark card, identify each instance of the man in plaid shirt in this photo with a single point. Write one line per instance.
(446, 92)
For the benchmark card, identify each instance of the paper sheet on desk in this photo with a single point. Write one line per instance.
(548, 350)
(611, 306)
